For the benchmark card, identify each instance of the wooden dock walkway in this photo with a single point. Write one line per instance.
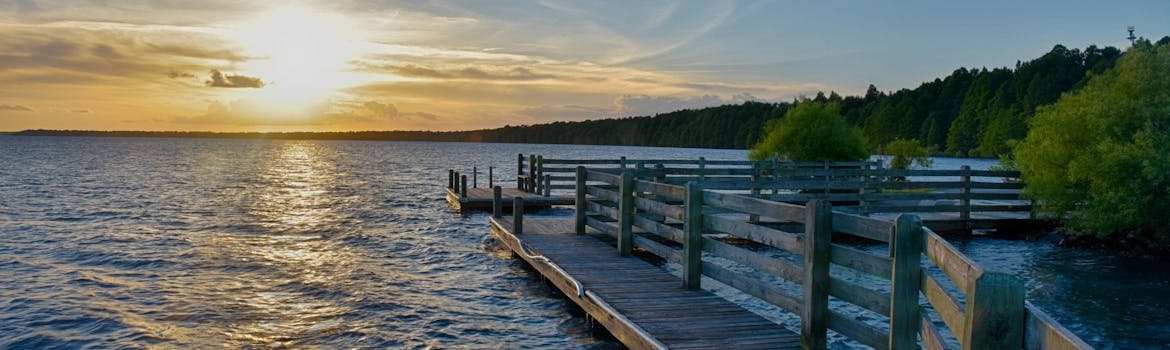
(641, 304)
(763, 229)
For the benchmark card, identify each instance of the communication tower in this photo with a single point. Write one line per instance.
(1131, 37)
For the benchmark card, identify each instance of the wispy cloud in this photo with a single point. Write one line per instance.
(15, 108)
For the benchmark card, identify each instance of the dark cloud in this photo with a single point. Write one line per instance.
(381, 110)
(218, 79)
(470, 73)
(177, 74)
(15, 108)
(105, 51)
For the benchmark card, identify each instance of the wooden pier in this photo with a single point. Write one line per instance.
(748, 236)
(643, 306)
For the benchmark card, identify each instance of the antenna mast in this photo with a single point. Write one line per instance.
(1131, 37)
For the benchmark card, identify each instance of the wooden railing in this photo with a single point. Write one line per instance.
(859, 187)
(782, 253)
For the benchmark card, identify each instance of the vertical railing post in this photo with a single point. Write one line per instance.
(517, 215)
(995, 313)
(862, 183)
(905, 281)
(625, 241)
(755, 187)
(965, 198)
(463, 186)
(520, 171)
(693, 236)
(702, 169)
(539, 174)
(659, 173)
(880, 177)
(531, 185)
(582, 205)
(474, 177)
(622, 162)
(547, 185)
(497, 202)
(814, 311)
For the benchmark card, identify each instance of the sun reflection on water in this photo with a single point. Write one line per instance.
(286, 248)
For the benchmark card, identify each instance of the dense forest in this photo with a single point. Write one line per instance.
(971, 112)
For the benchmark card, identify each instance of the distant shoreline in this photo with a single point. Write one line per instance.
(441, 136)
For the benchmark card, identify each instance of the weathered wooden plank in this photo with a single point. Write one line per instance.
(857, 330)
(769, 265)
(856, 294)
(660, 189)
(879, 266)
(861, 226)
(660, 208)
(955, 265)
(753, 287)
(783, 240)
(1042, 332)
(931, 339)
(659, 229)
(665, 252)
(946, 306)
(597, 176)
(761, 207)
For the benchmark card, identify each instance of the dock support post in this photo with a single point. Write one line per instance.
(693, 236)
(814, 311)
(547, 185)
(491, 179)
(474, 177)
(463, 186)
(905, 281)
(995, 313)
(520, 171)
(965, 198)
(455, 182)
(497, 202)
(582, 205)
(625, 242)
(517, 215)
(451, 178)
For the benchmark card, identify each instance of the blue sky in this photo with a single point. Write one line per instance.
(448, 65)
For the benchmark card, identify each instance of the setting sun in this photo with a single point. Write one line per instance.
(301, 54)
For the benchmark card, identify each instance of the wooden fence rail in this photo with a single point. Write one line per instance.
(781, 253)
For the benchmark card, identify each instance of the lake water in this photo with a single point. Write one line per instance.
(182, 243)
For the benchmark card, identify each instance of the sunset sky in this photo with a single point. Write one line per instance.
(223, 65)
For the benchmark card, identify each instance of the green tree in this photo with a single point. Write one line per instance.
(1099, 158)
(812, 131)
(907, 152)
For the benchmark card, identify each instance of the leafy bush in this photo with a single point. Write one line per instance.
(811, 131)
(1099, 158)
